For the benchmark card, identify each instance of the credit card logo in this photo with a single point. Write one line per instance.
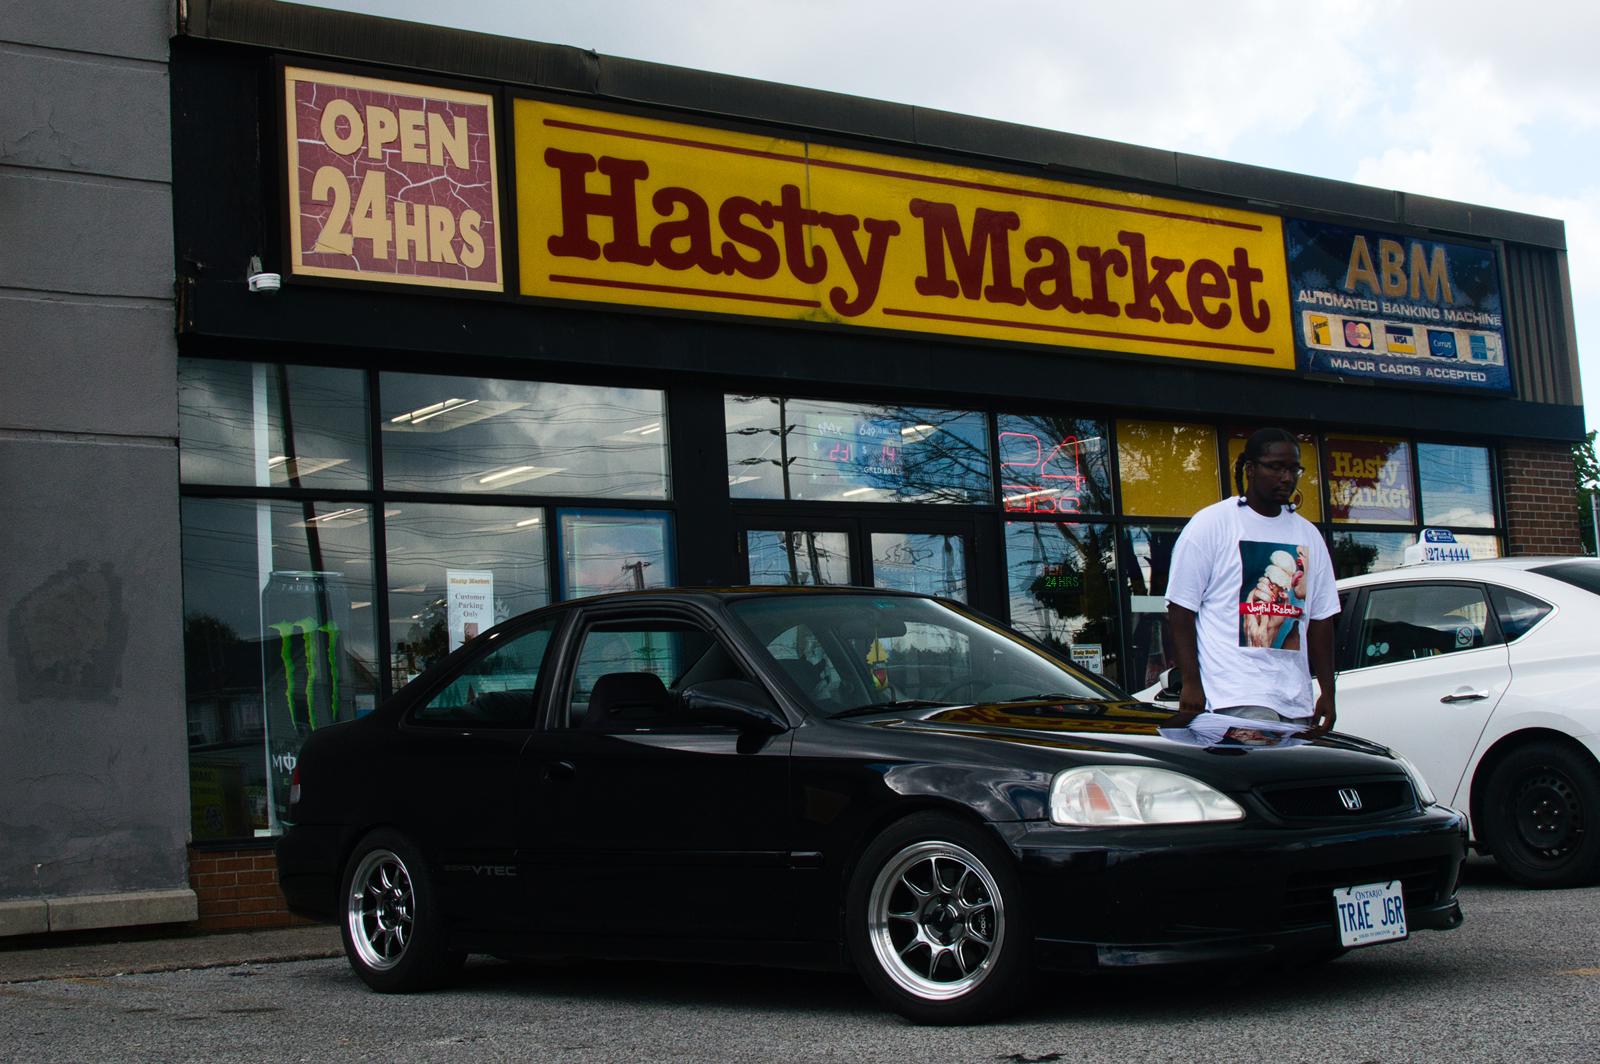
(1358, 334)
(1441, 343)
(1400, 339)
(1321, 332)
(1478, 348)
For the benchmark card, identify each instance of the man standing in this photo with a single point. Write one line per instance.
(1251, 598)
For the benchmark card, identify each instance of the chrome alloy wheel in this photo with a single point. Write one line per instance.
(935, 920)
(380, 911)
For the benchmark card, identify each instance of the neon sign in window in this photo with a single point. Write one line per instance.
(1053, 465)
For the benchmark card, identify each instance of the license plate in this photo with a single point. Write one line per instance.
(1372, 912)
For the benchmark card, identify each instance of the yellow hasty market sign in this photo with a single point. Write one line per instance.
(619, 209)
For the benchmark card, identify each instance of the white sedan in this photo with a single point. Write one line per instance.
(1486, 675)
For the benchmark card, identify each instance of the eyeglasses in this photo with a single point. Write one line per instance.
(1279, 469)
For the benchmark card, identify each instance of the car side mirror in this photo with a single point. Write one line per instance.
(737, 703)
(1171, 685)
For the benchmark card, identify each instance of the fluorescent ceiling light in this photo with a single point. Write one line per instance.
(336, 515)
(448, 414)
(285, 468)
(857, 491)
(740, 480)
(525, 524)
(429, 412)
(1033, 494)
(912, 430)
(503, 478)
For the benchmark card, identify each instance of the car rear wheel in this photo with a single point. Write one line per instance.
(936, 922)
(391, 924)
(1542, 816)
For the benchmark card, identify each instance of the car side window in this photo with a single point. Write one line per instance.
(819, 666)
(1405, 622)
(628, 672)
(1517, 611)
(497, 689)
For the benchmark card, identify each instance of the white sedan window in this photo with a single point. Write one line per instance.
(1409, 621)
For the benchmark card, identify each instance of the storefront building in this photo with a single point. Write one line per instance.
(465, 326)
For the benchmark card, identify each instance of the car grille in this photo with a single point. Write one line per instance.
(1322, 801)
(1308, 895)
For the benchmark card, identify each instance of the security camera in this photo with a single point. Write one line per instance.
(265, 282)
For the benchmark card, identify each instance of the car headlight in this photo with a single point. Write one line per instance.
(1425, 793)
(1110, 795)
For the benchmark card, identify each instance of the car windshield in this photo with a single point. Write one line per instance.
(1584, 574)
(851, 653)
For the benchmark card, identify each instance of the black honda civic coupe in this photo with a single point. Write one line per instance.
(838, 778)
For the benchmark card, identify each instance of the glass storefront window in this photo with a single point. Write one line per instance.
(1062, 582)
(1167, 469)
(1147, 563)
(1455, 486)
(482, 436)
(1308, 490)
(271, 426)
(931, 564)
(1355, 553)
(854, 452)
(756, 446)
(278, 641)
(1480, 546)
(1054, 465)
(455, 571)
(1369, 481)
(812, 559)
(603, 551)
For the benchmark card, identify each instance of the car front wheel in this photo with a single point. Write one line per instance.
(1542, 816)
(936, 922)
(391, 923)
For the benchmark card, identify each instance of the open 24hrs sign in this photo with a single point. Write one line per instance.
(391, 181)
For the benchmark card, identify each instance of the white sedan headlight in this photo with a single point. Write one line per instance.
(1425, 793)
(1111, 795)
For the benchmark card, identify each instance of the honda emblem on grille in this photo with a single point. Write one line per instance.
(1350, 798)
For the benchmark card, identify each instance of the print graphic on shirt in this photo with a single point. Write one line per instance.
(1272, 594)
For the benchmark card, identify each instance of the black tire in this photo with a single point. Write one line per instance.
(936, 925)
(1541, 816)
(390, 920)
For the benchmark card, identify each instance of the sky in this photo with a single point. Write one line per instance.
(1490, 104)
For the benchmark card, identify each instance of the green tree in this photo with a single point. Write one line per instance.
(1586, 471)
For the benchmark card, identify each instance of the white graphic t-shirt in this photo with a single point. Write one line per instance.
(1254, 583)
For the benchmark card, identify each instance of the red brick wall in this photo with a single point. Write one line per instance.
(238, 890)
(1541, 498)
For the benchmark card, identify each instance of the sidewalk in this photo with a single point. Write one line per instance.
(168, 954)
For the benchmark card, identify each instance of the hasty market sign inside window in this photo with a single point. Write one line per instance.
(620, 209)
(391, 181)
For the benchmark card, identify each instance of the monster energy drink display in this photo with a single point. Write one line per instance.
(305, 624)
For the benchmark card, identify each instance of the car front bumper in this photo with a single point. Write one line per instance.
(1137, 897)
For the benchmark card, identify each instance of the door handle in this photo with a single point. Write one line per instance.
(1465, 696)
(559, 771)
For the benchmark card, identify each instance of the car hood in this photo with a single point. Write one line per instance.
(1213, 746)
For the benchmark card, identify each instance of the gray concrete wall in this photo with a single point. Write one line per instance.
(94, 805)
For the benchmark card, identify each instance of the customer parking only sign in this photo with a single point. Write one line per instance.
(1396, 308)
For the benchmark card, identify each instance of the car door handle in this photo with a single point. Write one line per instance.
(1465, 696)
(559, 771)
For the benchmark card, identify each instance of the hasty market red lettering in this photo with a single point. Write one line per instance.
(980, 256)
